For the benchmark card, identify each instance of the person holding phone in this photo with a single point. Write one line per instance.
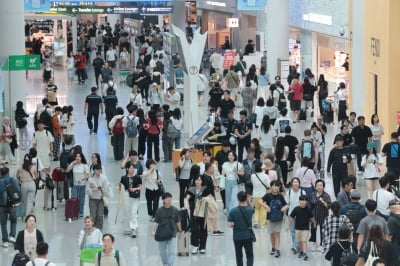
(151, 180)
(185, 163)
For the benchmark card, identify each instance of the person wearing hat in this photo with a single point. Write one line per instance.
(98, 190)
(354, 210)
(371, 163)
(394, 226)
(337, 161)
(172, 98)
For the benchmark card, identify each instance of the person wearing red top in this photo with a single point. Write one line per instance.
(80, 64)
(153, 135)
(57, 131)
(297, 89)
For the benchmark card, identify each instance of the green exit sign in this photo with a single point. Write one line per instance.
(24, 62)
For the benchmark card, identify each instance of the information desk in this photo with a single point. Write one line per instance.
(195, 155)
(212, 147)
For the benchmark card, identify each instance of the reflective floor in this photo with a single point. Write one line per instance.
(63, 236)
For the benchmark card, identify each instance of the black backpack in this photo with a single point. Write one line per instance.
(64, 158)
(323, 93)
(354, 215)
(349, 256)
(46, 118)
(20, 259)
(281, 100)
(12, 195)
(20, 121)
(307, 149)
(129, 80)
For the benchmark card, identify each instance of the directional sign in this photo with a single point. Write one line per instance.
(69, 3)
(118, 1)
(77, 10)
(24, 62)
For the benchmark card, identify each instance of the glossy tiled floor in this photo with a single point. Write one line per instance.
(63, 236)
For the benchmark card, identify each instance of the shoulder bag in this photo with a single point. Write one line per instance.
(165, 231)
(266, 188)
(378, 212)
(373, 255)
(161, 188)
(253, 236)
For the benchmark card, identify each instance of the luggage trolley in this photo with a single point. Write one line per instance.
(123, 74)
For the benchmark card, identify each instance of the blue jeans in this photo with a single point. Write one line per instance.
(177, 141)
(4, 212)
(167, 251)
(308, 190)
(81, 196)
(231, 190)
(295, 245)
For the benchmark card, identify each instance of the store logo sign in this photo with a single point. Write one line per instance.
(318, 18)
(375, 47)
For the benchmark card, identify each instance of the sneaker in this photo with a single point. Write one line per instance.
(255, 226)
(95, 133)
(277, 253)
(12, 240)
(195, 250)
(272, 252)
(305, 257)
(301, 255)
(262, 227)
(202, 251)
(295, 251)
(133, 233)
(5, 245)
(218, 233)
(127, 233)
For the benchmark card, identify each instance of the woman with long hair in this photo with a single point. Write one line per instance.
(185, 164)
(143, 126)
(382, 248)
(271, 110)
(67, 124)
(153, 135)
(97, 160)
(71, 67)
(377, 132)
(26, 176)
(370, 163)
(322, 91)
(320, 202)
(266, 135)
(342, 95)
(297, 90)
(119, 138)
(151, 178)
(259, 111)
(308, 94)
(80, 173)
(167, 143)
(263, 82)
(281, 154)
(177, 121)
(255, 144)
(21, 124)
(232, 170)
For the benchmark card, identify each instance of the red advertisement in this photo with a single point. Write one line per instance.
(229, 58)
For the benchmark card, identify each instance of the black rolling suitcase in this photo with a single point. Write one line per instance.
(183, 240)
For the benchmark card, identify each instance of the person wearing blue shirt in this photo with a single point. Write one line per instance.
(6, 208)
(348, 210)
(240, 219)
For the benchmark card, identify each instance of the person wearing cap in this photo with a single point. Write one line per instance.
(167, 214)
(371, 163)
(348, 183)
(394, 226)
(337, 161)
(172, 98)
(382, 196)
(354, 210)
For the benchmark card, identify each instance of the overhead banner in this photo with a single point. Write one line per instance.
(36, 5)
(68, 3)
(251, 5)
(74, 10)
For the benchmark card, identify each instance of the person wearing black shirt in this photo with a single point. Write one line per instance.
(221, 157)
(98, 63)
(230, 125)
(392, 152)
(215, 96)
(337, 160)
(243, 133)
(110, 103)
(93, 104)
(394, 227)
(249, 48)
(144, 83)
(361, 134)
(225, 105)
(344, 133)
(276, 85)
(291, 142)
(335, 251)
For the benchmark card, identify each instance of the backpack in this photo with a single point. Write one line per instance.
(281, 100)
(172, 132)
(394, 150)
(20, 259)
(275, 215)
(129, 80)
(47, 119)
(354, 215)
(131, 128)
(12, 194)
(118, 127)
(116, 256)
(33, 263)
(349, 257)
(307, 149)
(20, 121)
(64, 159)
(323, 93)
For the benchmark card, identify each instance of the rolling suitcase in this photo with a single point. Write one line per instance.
(183, 244)
(60, 190)
(184, 215)
(303, 114)
(72, 208)
(19, 211)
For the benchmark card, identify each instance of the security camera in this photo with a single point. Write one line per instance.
(342, 31)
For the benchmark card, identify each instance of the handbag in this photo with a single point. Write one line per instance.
(253, 235)
(307, 96)
(373, 255)
(161, 188)
(222, 182)
(113, 140)
(253, 117)
(165, 231)
(49, 182)
(39, 184)
(177, 173)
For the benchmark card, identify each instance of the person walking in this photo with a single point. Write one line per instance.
(57, 132)
(21, 123)
(110, 105)
(7, 135)
(7, 209)
(109, 256)
(93, 104)
(98, 64)
(239, 218)
(117, 128)
(166, 224)
(231, 170)
(131, 124)
(185, 163)
(260, 181)
(151, 179)
(26, 176)
(29, 237)
(153, 135)
(89, 235)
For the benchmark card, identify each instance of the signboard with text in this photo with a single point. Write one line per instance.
(77, 10)
(36, 5)
(229, 58)
(250, 4)
(121, 1)
(68, 3)
(24, 62)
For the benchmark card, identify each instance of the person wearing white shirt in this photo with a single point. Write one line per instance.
(266, 135)
(292, 199)
(67, 124)
(371, 163)
(42, 249)
(135, 97)
(90, 236)
(260, 182)
(282, 122)
(172, 98)
(382, 196)
(111, 56)
(231, 169)
(177, 122)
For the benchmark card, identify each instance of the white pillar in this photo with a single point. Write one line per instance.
(357, 85)
(308, 48)
(74, 35)
(277, 35)
(12, 13)
(178, 17)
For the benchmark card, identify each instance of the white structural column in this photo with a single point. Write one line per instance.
(178, 17)
(357, 58)
(308, 50)
(277, 33)
(13, 43)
